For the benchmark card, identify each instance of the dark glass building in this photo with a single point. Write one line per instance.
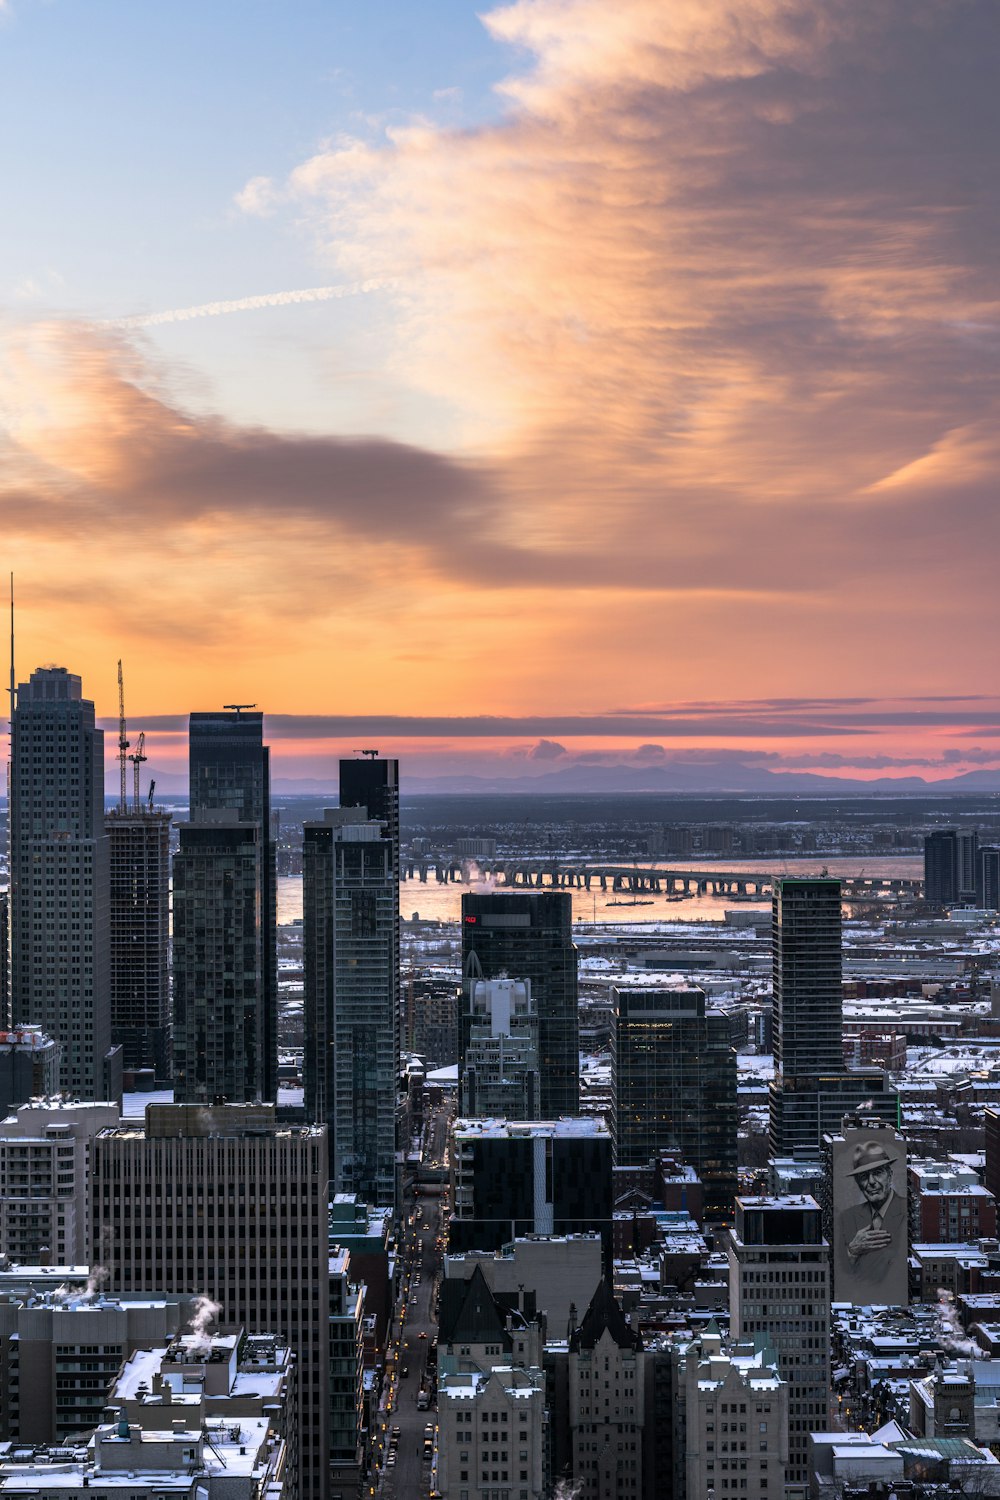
(230, 768)
(220, 1029)
(673, 1080)
(950, 866)
(519, 1177)
(373, 783)
(529, 935)
(139, 842)
(988, 878)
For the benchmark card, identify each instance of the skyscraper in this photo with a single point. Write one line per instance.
(225, 1201)
(220, 1022)
(779, 1288)
(373, 783)
(673, 1081)
(500, 1073)
(139, 844)
(350, 956)
(530, 934)
(230, 767)
(60, 928)
(951, 866)
(812, 1088)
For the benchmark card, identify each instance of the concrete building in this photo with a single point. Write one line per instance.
(139, 854)
(350, 955)
(220, 1027)
(948, 1204)
(59, 880)
(673, 1073)
(60, 1354)
(225, 1377)
(522, 1177)
(347, 1311)
(735, 1418)
(44, 1180)
(29, 1066)
(226, 1200)
(230, 770)
(499, 1077)
(779, 1287)
(530, 934)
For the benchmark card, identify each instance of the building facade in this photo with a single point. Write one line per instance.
(500, 1075)
(530, 935)
(44, 1180)
(59, 879)
(673, 1077)
(779, 1288)
(350, 911)
(225, 1200)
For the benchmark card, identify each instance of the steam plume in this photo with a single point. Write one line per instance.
(950, 1331)
(204, 1313)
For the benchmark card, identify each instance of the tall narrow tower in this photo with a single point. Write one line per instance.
(60, 948)
(230, 770)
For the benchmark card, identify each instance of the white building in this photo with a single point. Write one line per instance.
(490, 1435)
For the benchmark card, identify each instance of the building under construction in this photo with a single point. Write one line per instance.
(139, 839)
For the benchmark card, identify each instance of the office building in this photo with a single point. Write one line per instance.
(988, 878)
(4, 958)
(530, 934)
(734, 1418)
(499, 1077)
(61, 1352)
(520, 1177)
(44, 1180)
(230, 768)
(950, 866)
(225, 1200)
(221, 1031)
(561, 1271)
(347, 1373)
(812, 1089)
(350, 905)
(29, 1067)
(59, 880)
(779, 1288)
(139, 852)
(673, 1079)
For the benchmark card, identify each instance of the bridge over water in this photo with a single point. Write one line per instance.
(636, 880)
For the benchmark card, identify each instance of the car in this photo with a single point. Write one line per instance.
(404, 1370)
(422, 1334)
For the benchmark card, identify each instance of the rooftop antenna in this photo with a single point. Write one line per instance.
(237, 708)
(372, 754)
(122, 740)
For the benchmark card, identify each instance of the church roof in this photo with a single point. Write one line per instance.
(469, 1312)
(603, 1314)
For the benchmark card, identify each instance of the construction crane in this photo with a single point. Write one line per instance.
(149, 799)
(137, 758)
(237, 708)
(122, 740)
(372, 754)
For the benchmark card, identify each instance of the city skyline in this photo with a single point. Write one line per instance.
(562, 365)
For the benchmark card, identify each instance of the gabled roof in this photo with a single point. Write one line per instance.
(470, 1313)
(604, 1314)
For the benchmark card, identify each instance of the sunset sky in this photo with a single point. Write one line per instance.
(644, 404)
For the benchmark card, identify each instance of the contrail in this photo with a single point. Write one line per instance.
(248, 304)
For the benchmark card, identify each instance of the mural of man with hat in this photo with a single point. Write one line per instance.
(871, 1235)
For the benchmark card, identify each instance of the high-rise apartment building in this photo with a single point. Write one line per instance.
(4, 958)
(225, 1200)
(812, 1089)
(499, 1077)
(779, 1287)
(673, 1080)
(350, 905)
(530, 934)
(230, 768)
(520, 1177)
(60, 925)
(45, 1181)
(139, 847)
(950, 866)
(373, 783)
(221, 1029)
(988, 877)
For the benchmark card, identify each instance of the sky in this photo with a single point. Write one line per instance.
(521, 385)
